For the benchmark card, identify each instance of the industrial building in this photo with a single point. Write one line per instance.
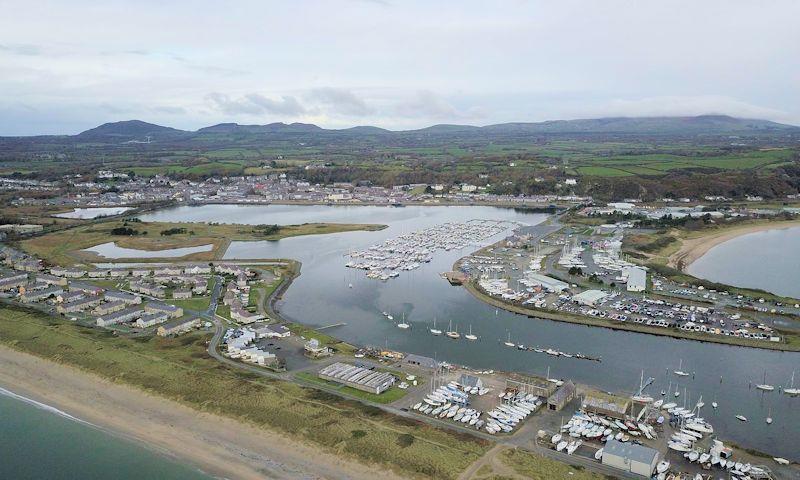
(547, 283)
(637, 278)
(358, 377)
(590, 298)
(630, 457)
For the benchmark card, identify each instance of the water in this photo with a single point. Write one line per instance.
(320, 296)
(37, 441)
(769, 260)
(112, 250)
(90, 213)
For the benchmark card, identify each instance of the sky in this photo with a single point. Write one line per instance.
(69, 66)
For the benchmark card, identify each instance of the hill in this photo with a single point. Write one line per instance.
(129, 129)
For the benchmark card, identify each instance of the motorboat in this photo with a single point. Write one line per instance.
(561, 445)
(662, 466)
(598, 454)
(741, 417)
(781, 460)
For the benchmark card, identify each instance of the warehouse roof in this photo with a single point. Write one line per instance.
(631, 451)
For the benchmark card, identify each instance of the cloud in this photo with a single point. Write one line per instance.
(170, 110)
(684, 106)
(255, 104)
(22, 49)
(340, 101)
(429, 105)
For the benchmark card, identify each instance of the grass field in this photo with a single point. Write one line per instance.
(64, 247)
(536, 467)
(326, 340)
(180, 369)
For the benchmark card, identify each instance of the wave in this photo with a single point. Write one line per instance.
(45, 407)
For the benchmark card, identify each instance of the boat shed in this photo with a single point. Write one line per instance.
(470, 381)
(590, 298)
(637, 279)
(357, 377)
(630, 457)
(548, 283)
(562, 397)
(420, 361)
(605, 404)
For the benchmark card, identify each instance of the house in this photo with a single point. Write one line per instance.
(151, 319)
(68, 272)
(239, 314)
(141, 272)
(41, 294)
(28, 265)
(110, 307)
(630, 457)
(78, 305)
(13, 281)
(177, 327)
(86, 288)
(51, 279)
(158, 307)
(197, 269)
(148, 289)
(421, 361)
(181, 294)
(99, 273)
(128, 298)
(126, 315)
(68, 297)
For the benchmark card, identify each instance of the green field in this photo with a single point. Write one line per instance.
(180, 369)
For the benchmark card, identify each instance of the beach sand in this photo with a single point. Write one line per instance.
(217, 445)
(694, 248)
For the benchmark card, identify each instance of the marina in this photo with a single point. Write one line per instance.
(321, 296)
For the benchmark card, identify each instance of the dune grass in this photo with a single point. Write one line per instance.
(180, 369)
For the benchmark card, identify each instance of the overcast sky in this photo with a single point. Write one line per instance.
(69, 66)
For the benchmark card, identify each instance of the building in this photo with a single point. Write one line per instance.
(125, 315)
(239, 314)
(51, 279)
(470, 381)
(360, 378)
(29, 296)
(151, 319)
(68, 272)
(630, 457)
(181, 294)
(13, 281)
(128, 298)
(158, 307)
(605, 404)
(562, 397)
(21, 229)
(148, 289)
(110, 307)
(314, 349)
(177, 327)
(590, 298)
(78, 305)
(637, 278)
(421, 361)
(272, 331)
(547, 283)
(197, 269)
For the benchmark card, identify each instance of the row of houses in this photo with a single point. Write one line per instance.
(159, 271)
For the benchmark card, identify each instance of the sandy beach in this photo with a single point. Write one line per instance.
(219, 446)
(694, 248)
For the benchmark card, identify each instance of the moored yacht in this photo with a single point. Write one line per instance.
(434, 330)
(470, 336)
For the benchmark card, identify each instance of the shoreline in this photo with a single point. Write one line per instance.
(694, 248)
(216, 445)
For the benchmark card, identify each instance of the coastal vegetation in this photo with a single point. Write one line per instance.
(64, 247)
(180, 369)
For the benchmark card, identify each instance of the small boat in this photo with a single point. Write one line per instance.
(741, 417)
(680, 371)
(714, 405)
(693, 456)
(704, 458)
(781, 460)
(791, 390)
(598, 454)
(434, 330)
(769, 417)
(452, 333)
(470, 336)
(509, 343)
(561, 445)
(662, 466)
(556, 439)
(765, 386)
